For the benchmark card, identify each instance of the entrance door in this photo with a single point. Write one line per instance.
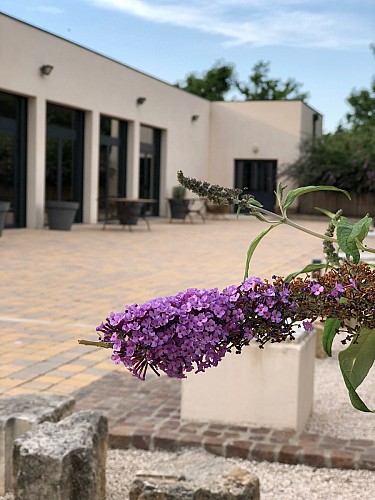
(112, 163)
(149, 167)
(257, 177)
(64, 155)
(13, 157)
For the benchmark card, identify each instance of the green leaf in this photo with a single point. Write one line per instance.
(310, 268)
(292, 195)
(355, 363)
(356, 401)
(361, 228)
(331, 327)
(280, 192)
(350, 235)
(329, 214)
(280, 196)
(254, 202)
(346, 240)
(253, 246)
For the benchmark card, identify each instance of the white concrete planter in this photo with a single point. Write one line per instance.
(270, 387)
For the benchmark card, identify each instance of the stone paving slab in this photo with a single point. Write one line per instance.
(57, 286)
(146, 415)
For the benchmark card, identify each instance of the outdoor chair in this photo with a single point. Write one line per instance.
(182, 208)
(126, 213)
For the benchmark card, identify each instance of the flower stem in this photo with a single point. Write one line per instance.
(106, 345)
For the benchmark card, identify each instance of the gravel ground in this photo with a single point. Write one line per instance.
(277, 481)
(333, 415)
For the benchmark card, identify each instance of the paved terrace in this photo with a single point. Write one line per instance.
(57, 286)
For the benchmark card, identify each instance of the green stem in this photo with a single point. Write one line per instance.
(289, 222)
(106, 345)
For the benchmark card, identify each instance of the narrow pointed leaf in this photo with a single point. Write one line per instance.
(331, 327)
(310, 268)
(292, 195)
(253, 246)
(254, 202)
(329, 214)
(355, 363)
(355, 399)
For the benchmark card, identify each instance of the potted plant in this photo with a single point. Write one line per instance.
(61, 214)
(179, 206)
(4, 207)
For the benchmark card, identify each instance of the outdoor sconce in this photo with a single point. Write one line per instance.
(140, 100)
(194, 118)
(46, 69)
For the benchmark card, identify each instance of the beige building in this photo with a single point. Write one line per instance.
(75, 125)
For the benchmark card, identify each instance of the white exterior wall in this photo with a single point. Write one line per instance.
(255, 130)
(82, 79)
(87, 81)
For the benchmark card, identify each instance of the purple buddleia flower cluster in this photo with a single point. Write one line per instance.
(178, 334)
(193, 330)
(269, 311)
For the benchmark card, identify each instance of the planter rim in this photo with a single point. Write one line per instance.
(62, 204)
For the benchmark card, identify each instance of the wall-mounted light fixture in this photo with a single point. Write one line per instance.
(46, 69)
(140, 100)
(255, 149)
(194, 118)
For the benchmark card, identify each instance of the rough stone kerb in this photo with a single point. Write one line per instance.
(19, 414)
(62, 461)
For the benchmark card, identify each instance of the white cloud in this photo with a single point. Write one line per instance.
(302, 23)
(49, 9)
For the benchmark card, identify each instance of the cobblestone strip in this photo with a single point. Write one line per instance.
(148, 418)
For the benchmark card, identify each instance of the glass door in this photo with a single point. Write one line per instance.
(257, 177)
(64, 155)
(13, 157)
(149, 166)
(112, 164)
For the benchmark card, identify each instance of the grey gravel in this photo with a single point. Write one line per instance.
(277, 481)
(333, 414)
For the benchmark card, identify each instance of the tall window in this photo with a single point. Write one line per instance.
(13, 119)
(64, 155)
(149, 168)
(112, 162)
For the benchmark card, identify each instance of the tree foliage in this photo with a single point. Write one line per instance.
(262, 87)
(363, 105)
(215, 83)
(212, 84)
(345, 158)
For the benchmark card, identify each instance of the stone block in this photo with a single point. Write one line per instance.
(18, 414)
(234, 484)
(62, 461)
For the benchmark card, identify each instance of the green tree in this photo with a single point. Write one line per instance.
(344, 159)
(262, 87)
(212, 84)
(363, 105)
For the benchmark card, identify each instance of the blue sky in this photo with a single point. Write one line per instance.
(323, 44)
